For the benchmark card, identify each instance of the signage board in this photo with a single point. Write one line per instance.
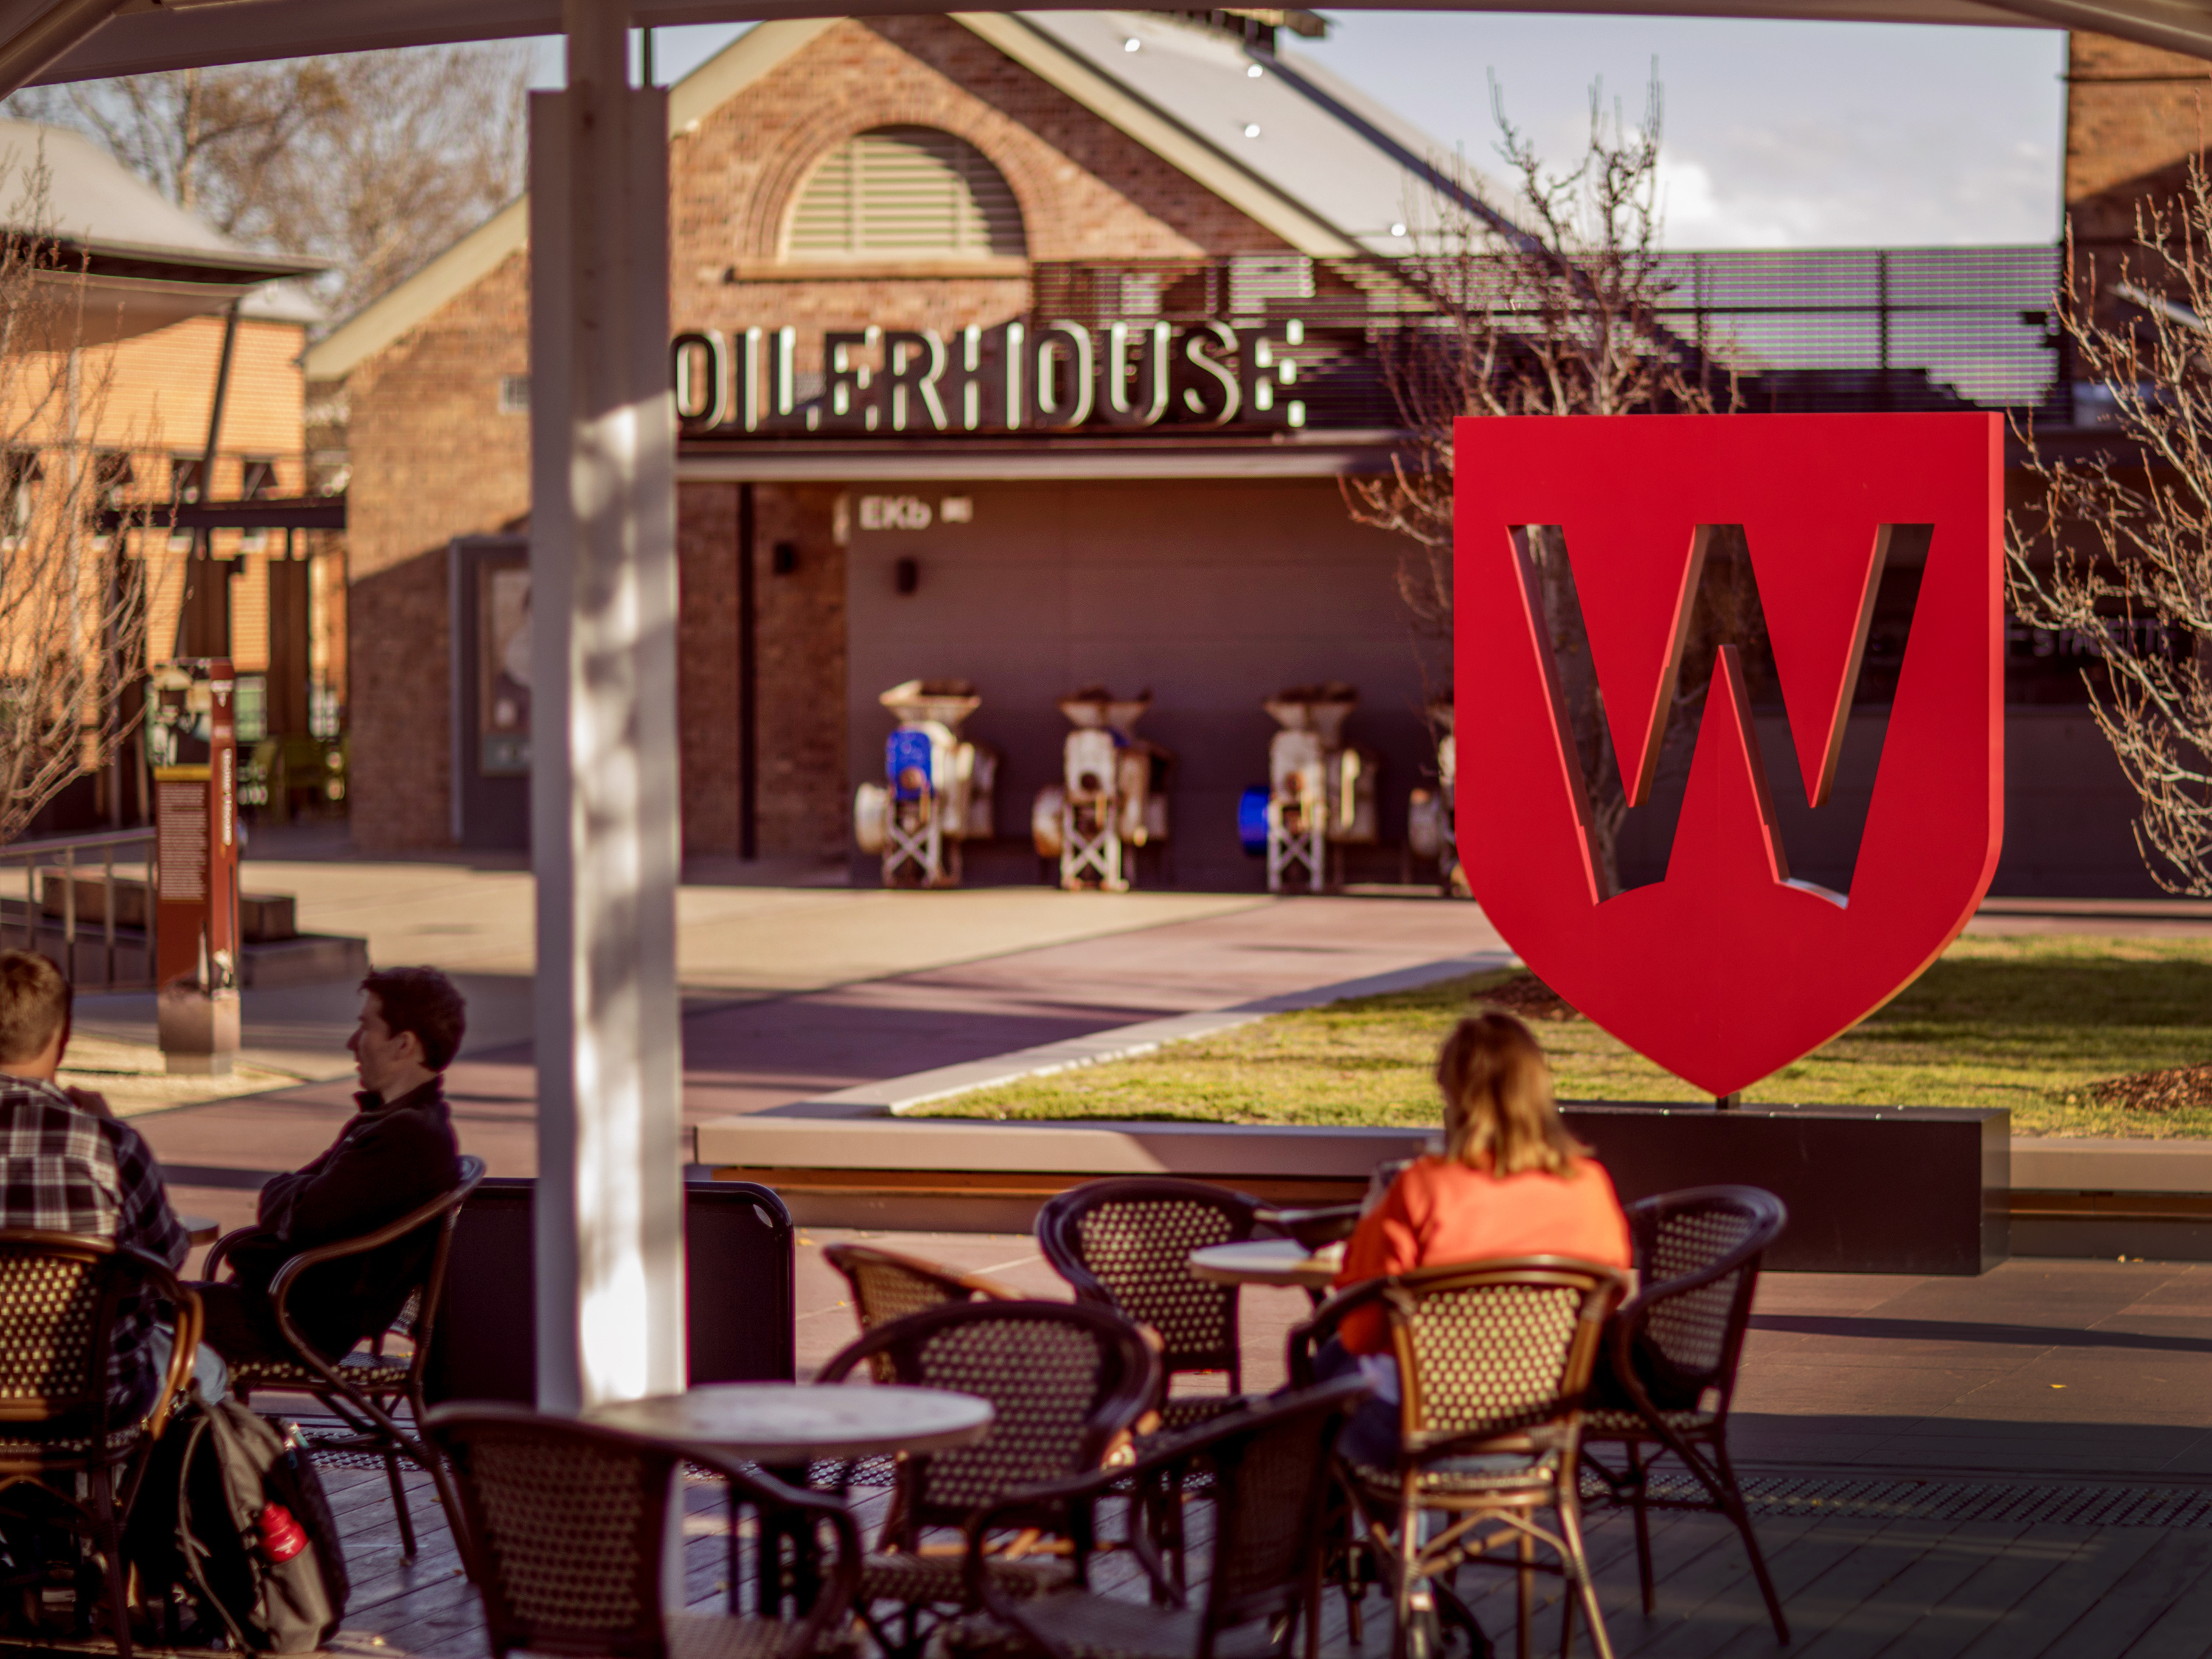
(1018, 377)
(1728, 969)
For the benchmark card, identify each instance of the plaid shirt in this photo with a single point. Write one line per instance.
(64, 1171)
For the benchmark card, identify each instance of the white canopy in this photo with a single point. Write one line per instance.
(81, 39)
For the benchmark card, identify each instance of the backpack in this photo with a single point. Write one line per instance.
(232, 1508)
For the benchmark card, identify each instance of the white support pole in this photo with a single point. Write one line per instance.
(610, 1234)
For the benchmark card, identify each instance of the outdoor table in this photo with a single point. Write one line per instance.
(786, 1424)
(198, 1228)
(1282, 1262)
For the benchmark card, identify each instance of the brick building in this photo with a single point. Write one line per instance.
(895, 174)
(925, 274)
(170, 312)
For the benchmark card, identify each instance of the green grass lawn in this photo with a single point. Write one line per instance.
(2029, 1023)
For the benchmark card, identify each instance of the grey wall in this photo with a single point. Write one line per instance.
(1215, 595)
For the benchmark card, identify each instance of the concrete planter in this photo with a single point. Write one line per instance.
(1869, 1189)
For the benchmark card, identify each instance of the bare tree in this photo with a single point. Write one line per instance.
(373, 161)
(72, 604)
(2115, 556)
(1548, 304)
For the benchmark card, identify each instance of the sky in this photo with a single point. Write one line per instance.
(1774, 134)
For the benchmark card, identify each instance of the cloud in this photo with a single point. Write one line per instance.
(1775, 134)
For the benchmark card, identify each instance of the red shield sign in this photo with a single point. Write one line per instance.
(1727, 971)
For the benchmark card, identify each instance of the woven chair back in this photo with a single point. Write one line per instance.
(1126, 1244)
(888, 1287)
(565, 1527)
(1063, 1382)
(1698, 1254)
(1273, 1480)
(61, 1300)
(1497, 1351)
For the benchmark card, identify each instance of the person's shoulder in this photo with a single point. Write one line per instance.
(1589, 1169)
(27, 1095)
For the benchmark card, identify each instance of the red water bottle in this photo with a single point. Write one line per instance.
(281, 1537)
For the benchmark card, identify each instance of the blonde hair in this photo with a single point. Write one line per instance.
(1500, 1115)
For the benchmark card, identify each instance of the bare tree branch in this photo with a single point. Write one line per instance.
(373, 161)
(2116, 556)
(72, 601)
(1563, 320)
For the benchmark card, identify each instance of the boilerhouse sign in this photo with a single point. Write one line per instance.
(1018, 377)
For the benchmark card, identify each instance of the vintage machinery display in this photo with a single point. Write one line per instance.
(1320, 791)
(937, 788)
(1112, 797)
(192, 747)
(1431, 816)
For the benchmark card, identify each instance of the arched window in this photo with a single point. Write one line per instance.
(905, 193)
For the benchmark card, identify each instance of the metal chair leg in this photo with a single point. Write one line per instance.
(1409, 1549)
(1527, 1589)
(1733, 1506)
(1570, 1529)
(1639, 1495)
(111, 1545)
(399, 1504)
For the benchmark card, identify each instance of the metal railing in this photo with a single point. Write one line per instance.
(71, 857)
(1793, 328)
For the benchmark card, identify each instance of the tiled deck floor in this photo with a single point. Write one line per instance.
(2004, 1466)
(1897, 1584)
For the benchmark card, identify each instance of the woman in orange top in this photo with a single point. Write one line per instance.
(1511, 1182)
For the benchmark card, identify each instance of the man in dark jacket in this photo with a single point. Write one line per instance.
(395, 1155)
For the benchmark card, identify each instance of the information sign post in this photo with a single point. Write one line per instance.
(193, 741)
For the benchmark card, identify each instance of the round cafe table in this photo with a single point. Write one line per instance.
(789, 1424)
(1282, 1262)
(198, 1228)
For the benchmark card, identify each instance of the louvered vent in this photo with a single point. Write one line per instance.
(906, 193)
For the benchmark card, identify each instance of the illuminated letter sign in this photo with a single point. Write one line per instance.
(1057, 376)
(1727, 971)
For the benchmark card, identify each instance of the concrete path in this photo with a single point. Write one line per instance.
(984, 972)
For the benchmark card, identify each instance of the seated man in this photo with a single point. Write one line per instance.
(67, 1166)
(395, 1155)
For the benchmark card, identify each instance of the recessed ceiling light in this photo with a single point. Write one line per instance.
(1131, 43)
(1251, 129)
(1397, 230)
(1253, 73)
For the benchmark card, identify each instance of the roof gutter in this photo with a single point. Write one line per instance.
(58, 32)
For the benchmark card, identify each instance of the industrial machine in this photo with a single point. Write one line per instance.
(1320, 793)
(192, 747)
(937, 788)
(1432, 815)
(1112, 797)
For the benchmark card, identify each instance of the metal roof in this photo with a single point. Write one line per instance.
(1289, 128)
(145, 262)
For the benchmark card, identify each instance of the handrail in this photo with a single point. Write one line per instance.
(36, 857)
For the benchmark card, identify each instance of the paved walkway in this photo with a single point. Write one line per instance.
(790, 992)
(2040, 1369)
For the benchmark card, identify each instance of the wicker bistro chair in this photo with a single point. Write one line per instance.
(60, 1303)
(887, 1285)
(1066, 1385)
(1125, 1245)
(1272, 1465)
(1494, 1359)
(567, 1528)
(1669, 1377)
(362, 1388)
